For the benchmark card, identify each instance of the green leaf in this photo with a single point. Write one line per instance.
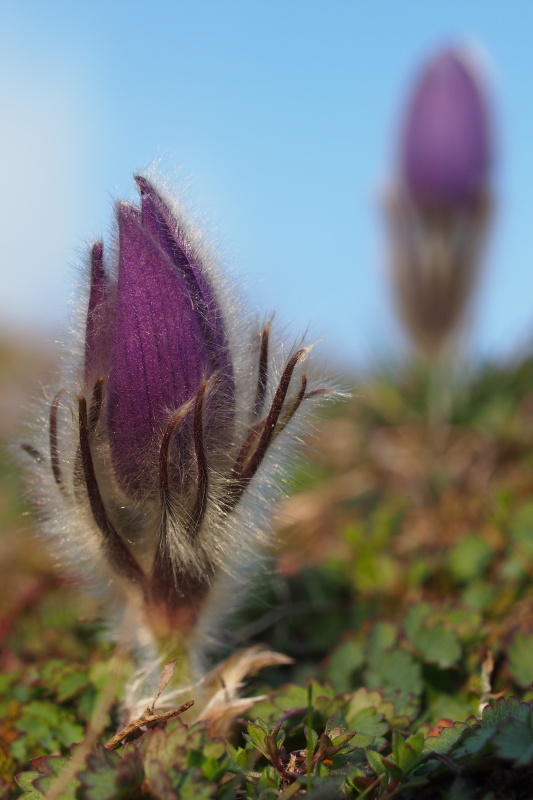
(110, 776)
(46, 783)
(520, 659)
(48, 725)
(458, 706)
(63, 678)
(381, 639)
(192, 786)
(264, 739)
(238, 758)
(407, 752)
(291, 696)
(504, 709)
(257, 733)
(438, 645)
(39, 781)
(325, 789)
(25, 781)
(474, 741)
(269, 780)
(376, 762)
(340, 737)
(99, 784)
(160, 780)
(368, 721)
(169, 747)
(414, 618)
(311, 737)
(446, 739)
(513, 740)
(211, 759)
(213, 769)
(395, 669)
(522, 529)
(364, 699)
(366, 714)
(478, 594)
(345, 660)
(469, 557)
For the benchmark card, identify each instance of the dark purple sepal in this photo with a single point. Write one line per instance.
(96, 328)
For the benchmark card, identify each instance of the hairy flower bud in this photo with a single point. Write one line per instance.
(167, 336)
(160, 442)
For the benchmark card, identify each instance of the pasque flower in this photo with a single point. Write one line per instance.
(439, 204)
(446, 147)
(155, 466)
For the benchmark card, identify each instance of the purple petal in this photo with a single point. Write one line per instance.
(159, 353)
(158, 220)
(96, 332)
(446, 147)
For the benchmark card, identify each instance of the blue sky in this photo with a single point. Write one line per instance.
(280, 118)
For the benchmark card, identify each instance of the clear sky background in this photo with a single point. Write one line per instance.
(281, 117)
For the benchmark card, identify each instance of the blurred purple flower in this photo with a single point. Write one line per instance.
(438, 206)
(446, 148)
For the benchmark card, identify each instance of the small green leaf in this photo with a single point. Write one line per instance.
(170, 747)
(473, 742)
(191, 785)
(504, 709)
(438, 645)
(395, 669)
(520, 655)
(99, 785)
(513, 740)
(447, 738)
(312, 738)
(46, 783)
(256, 734)
(368, 721)
(269, 780)
(414, 618)
(159, 780)
(214, 769)
(522, 529)
(25, 781)
(345, 660)
(469, 557)
(110, 776)
(238, 758)
(291, 696)
(47, 770)
(382, 637)
(63, 678)
(376, 762)
(407, 752)
(49, 726)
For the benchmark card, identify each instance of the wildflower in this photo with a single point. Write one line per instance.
(163, 436)
(439, 206)
(446, 148)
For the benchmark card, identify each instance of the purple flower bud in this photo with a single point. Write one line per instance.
(158, 450)
(167, 336)
(446, 148)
